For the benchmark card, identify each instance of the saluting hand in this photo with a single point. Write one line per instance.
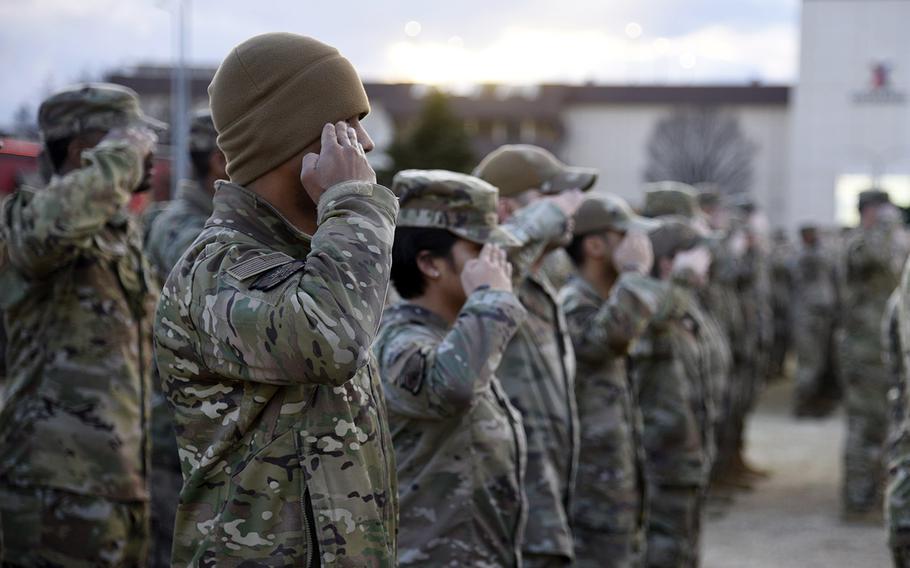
(491, 268)
(634, 253)
(340, 159)
(139, 137)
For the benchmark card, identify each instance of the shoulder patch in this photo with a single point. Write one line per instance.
(276, 276)
(249, 268)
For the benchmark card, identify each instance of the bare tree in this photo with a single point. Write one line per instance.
(701, 145)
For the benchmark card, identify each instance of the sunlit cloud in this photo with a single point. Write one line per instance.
(531, 55)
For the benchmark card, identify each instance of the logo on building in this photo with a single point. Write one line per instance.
(880, 90)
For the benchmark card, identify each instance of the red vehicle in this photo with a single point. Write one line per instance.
(18, 161)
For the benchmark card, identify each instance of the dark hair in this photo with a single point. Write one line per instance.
(200, 160)
(410, 242)
(575, 250)
(57, 151)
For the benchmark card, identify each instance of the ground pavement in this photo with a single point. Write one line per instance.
(792, 520)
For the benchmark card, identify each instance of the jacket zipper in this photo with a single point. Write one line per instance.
(312, 558)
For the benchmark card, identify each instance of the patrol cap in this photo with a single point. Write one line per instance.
(873, 197)
(91, 106)
(670, 198)
(462, 204)
(608, 212)
(675, 234)
(516, 168)
(202, 132)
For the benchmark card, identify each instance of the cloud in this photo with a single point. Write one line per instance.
(46, 44)
(525, 56)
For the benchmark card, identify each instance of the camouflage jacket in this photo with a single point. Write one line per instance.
(263, 338)
(710, 364)
(816, 288)
(671, 395)
(538, 373)
(459, 442)
(78, 302)
(720, 295)
(897, 505)
(610, 483)
(173, 229)
(871, 271)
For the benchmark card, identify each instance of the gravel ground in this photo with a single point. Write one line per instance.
(792, 520)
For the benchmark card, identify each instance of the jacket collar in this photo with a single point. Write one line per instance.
(239, 209)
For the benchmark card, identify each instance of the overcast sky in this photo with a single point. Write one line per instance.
(45, 44)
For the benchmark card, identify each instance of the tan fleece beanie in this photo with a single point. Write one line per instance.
(273, 94)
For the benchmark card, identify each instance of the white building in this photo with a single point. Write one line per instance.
(850, 113)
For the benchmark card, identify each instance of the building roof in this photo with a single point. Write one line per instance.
(490, 101)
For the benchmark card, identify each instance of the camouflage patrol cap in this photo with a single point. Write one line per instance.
(873, 197)
(674, 235)
(202, 132)
(462, 204)
(670, 198)
(516, 168)
(608, 212)
(91, 106)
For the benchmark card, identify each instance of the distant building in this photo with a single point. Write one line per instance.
(601, 126)
(844, 126)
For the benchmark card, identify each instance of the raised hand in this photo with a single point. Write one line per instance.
(341, 159)
(491, 268)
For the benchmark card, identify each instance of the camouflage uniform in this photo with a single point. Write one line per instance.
(609, 511)
(538, 368)
(871, 271)
(459, 443)
(781, 305)
(897, 495)
(78, 298)
(722, 302)
(816, 299)
(669, 366)
(538, 373)
(263, 338)
(169, 232)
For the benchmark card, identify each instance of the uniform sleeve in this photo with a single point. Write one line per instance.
(537, 227)
(318, 325)
(47, 228)
(430, 380)
(598, 331)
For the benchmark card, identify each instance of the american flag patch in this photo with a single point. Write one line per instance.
(249, 268)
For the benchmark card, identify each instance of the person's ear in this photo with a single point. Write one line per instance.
(218, 164)
(427, 264)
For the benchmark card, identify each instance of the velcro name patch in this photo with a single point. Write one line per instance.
(255, 266)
